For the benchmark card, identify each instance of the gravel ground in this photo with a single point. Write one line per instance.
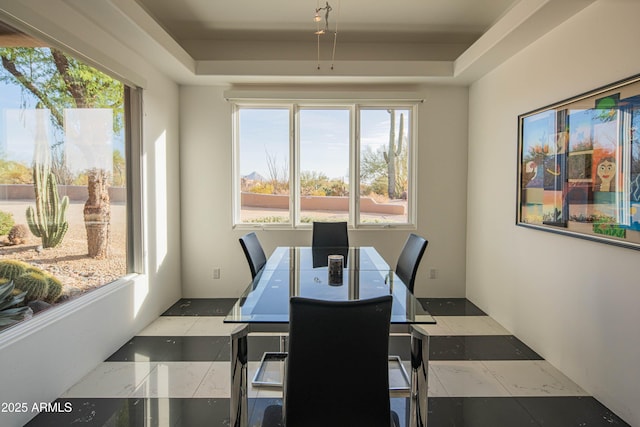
(69, 261)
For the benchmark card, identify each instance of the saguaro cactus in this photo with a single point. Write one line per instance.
(48, 221)
(393, 152)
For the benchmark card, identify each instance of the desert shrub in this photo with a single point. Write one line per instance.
(317, 192)
(269, 220)
(6, 223)
(18, 234)
(380, 185)
(261, 188)
(15, 173)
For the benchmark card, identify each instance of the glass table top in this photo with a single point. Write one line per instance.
(303, 271)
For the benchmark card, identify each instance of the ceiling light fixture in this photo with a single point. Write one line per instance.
(317, 18)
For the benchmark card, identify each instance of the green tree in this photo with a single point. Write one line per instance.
(313, 183)
(58, 82)
(372, 164)
(374, 171)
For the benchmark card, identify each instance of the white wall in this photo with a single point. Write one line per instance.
(574, 301)
(45, 356)
(209, 240)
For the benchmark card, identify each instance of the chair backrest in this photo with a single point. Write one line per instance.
(330, 234)
(409, 259)
(254, 252)
(337, 367)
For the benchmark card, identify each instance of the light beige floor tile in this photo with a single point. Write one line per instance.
(216, 382)
(436, 389)
(472, 325)
(173, 379)
(169, 326)
(111, 379)
(211, 326)
(467, 379)
(440, 328)
(532, 378)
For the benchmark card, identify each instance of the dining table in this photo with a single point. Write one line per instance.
(304, 271)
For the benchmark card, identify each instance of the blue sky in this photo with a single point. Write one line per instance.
(539, 129)
(324, 138)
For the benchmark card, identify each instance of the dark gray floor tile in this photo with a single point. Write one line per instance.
(204, 413)
(570, 411)
(102, 412)
(443, 411)
(172, 349)
(201, 307)
(478, 412)
(481, 347)
(190, 349)
(450, 307)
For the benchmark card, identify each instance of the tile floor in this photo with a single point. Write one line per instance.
(176, 373)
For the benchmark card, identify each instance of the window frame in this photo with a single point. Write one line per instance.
(135, 177)
(355, 108)
(134, 169)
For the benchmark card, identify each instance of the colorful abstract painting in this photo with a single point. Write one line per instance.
(579, 166)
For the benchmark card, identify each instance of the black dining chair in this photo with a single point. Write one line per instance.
(336, 371)
(253, 251)
(330, 234)
(409, 259)
(257, 259)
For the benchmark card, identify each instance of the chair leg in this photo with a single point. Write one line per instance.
(239, 385)
(273, 416)
(419, 378)
(395, 420)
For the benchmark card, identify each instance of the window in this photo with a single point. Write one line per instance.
(299, 163)
(324, 164)
(264, 165)
(384, 165)
(64, 143)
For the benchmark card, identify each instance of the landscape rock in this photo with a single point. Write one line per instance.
(39, 305)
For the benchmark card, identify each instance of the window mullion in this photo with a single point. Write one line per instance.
(294, 155)
(354, 167)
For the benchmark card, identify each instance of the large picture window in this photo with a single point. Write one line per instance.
(298, 163)
(63, 176)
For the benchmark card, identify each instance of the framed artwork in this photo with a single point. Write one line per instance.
(579, 166)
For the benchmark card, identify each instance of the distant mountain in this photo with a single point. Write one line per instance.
(254, 176)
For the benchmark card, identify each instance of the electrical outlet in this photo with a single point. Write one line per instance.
(216, 273)
(433, 273)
